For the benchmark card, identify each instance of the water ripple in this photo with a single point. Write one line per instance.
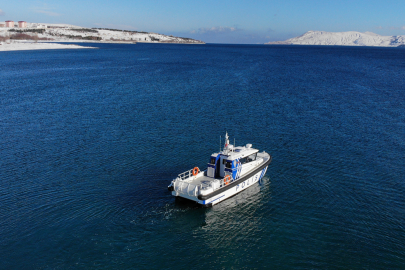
(90, 141)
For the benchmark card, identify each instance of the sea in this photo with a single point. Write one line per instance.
(91, 138)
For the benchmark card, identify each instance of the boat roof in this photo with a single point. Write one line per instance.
(237, 152)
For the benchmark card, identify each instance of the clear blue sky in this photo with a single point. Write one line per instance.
(220, 21)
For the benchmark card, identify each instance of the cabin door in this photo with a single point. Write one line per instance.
(217, 166)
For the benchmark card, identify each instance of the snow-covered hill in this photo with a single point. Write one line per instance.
(72, 33)
(350, 38)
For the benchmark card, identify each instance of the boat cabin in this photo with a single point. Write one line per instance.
(231, 160)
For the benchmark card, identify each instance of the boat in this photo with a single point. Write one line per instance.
(230, 171)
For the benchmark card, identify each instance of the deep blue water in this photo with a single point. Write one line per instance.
(90, 139)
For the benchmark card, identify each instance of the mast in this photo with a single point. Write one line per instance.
(226, 140)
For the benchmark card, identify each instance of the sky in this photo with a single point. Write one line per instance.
(220, 21)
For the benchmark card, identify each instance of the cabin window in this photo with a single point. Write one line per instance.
(228, 164)
(243, 160)
(252, 157)
(212, 161)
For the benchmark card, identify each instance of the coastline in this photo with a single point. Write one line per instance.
(27, 46)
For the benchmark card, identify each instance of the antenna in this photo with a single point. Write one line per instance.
(219, 143)
(234, 145)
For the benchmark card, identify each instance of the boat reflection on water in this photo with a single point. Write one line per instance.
(226, 230)
(235, 223)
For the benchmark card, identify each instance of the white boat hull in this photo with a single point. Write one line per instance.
(234, 189)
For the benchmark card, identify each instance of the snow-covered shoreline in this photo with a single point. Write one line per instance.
(26, 46)
(350, 38)
(72, 33)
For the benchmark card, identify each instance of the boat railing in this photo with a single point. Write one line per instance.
(187, 174)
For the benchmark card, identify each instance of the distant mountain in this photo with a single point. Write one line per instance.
(350, 38)
(72, 33)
